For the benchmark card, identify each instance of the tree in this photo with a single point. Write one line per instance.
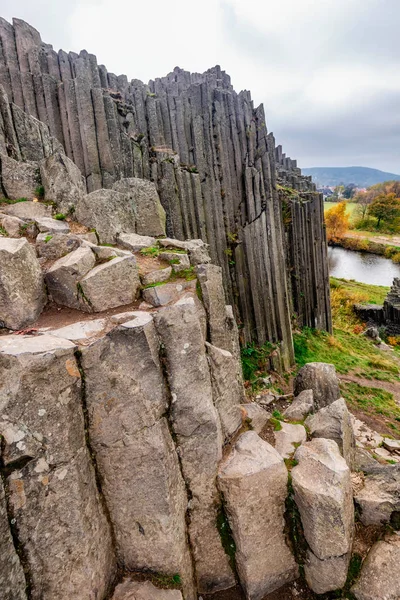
(349, 191)
(385, 207)
(337, 221)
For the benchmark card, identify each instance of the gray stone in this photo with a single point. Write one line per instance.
(108, 212)
(288, 437)
(391, 445)
(164, 294)
(82, 331)
(52, 491)
(379, 497)
(18, 179)
(46, 224)
(12, 225)
(150, 215)
(28, 211)
(379, 578)
(198, 252)
(334, 423)
(12, 579)
(112, 284)
(63, 277)
(210, 279)
(324, 496)
(135, 590)
(301, 406)
(253, 480)
(22, 292)
(55, 246)
(321, 378)
(104, 253)
(197, 428)
(178, 262)
(326, 575)
(158, 276)
(135, 242)
(257, 416)
(228, 394)
(62, 182)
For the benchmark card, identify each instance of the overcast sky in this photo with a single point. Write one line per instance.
(327, 71)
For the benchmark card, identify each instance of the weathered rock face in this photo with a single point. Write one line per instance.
(53, 498)
(150, 215)
(12, 579)
(301, 406)
(134, 590)
(108, 212)
(18, 179)
(207, 150)
(253, 481)
(288, 438)
(22, 293)
(380, 496)
(379, 579)
(55, 246)
(322, 380)
(62, 182)
(323, 494)
(63, 277)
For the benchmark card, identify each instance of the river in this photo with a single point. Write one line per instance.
(362, 266)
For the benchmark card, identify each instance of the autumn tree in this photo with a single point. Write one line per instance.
(385, 207)
(337, 222)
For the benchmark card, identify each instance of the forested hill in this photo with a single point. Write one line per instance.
(360, 176)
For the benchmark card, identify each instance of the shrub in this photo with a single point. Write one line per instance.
(60, 217)
(39, 192)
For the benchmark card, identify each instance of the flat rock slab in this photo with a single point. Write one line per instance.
(321, 378)
(288, 438)
(178, 262)
(158, 276)
(28, 210)
(135, 590)
(54, 246)
(51, 225)
(135, 242)
(380, 577)
(22, 292)
(161, 295)
(391, 445)
(81, 331)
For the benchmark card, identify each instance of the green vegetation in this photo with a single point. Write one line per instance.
(9, 201)
(3, 231)
(255, 362)
(47, 238)
(60, 217)
(39, 192)
(373, 401)
(367, 293)
(152, 251)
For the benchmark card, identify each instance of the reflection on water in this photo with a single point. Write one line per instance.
(361, 266)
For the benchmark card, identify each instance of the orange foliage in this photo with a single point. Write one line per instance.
(337, 222)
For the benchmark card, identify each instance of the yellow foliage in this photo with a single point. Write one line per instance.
(337, 221)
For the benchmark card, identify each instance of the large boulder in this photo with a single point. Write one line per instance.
(57, 245)
(28, 211)
(12, 225)
(62, 181)
(150, 215)
(18, 179)
(379, 578)
(108, 212)
(253, 480)
(323, 494)
(114, 283)
(143, 590)
(63, 277)
(379, 497)
(52, 493)
(135, 242)
(12, 579)
(321, 378)
(22, 292)
(49, 225)
(334, 423)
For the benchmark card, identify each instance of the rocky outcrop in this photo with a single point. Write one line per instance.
(321, 378)
(12, 578)
(379, 497)
(150, 215)
(379, 578)
(108, 213)
(62, 181)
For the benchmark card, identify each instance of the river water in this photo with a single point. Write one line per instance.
(362, 266)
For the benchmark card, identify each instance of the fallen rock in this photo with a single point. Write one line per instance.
(150, 215)
(379, 497)
(12, 225)
(253, 480)
(379, 578)
(334, 423)
(80, 332)
(288, 438)
(391, 445)
(301, 406)
(12, 579)
(112, 284)
(135, 242)
(321, 575)
(28, 211)
(322, 380)
(257, 416)
(18, 179)
(161, 295)
(63, 277)
(22, 291)
(135, 590)
(62, 181)
(54, 246)
(108, 212)
(178, 262)
(158, 276)
(46, 224)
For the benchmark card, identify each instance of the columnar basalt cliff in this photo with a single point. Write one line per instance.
(217, 170)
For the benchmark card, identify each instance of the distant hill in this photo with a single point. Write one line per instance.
(360, 176)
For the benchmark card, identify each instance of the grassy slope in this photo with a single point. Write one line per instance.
(355, 356)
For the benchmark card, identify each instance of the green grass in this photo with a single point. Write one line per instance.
(60, 217)
(255, 362)
(3, 231)
(9, 201)
(374, 294)
(373, 401)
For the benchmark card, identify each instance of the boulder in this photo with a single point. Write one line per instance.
(49, 225)
(197, 249)
(288, 437)
(63, 277)
(28, 211)
(114, 283)
(18, 179)
(161, 295)
(52, 492)
(255, 415)
(334, 423)
(143, 195)
(301, 406)
(321, 378)
(178, 262)
(253, 480)
(22, 291)
(108, 212)
(143, 590)
(158, 276)
(142, 483)
(12, 225)
(62, 181)
(12, 578)
(379, 498)
(135, 242)
(324, 497)
(228, 394)
(379, 578)
(197, 428)
(54, 246)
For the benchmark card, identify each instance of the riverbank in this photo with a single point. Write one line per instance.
(365, 241)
